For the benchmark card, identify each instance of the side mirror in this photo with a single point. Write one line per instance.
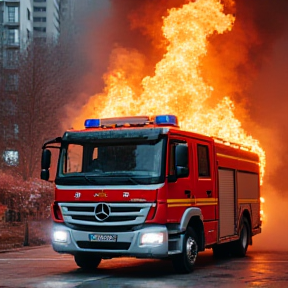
(46, 159)
(45, 175)
(45, 164)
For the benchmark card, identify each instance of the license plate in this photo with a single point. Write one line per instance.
(102, 238)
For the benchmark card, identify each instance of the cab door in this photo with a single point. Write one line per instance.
(180, 183)
(205, 187)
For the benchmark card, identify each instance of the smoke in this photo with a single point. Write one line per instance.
(274, 235)
(249, 64)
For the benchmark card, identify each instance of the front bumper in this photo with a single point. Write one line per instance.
(128, 243)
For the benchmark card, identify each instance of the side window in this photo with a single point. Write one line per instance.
(178, 159)
(95, 153)
(74, 158)
(203, 161)
(94, 163)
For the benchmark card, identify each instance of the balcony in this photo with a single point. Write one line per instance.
(11, 24)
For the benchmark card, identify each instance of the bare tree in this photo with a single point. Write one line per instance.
(32, 102)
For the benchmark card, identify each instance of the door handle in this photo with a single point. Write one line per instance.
(209, 193)
(188, 193)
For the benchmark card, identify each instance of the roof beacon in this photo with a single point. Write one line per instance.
(92, 123)
(166, 120)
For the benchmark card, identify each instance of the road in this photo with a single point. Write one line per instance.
(42, 267)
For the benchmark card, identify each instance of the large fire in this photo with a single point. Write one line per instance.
(176, 86)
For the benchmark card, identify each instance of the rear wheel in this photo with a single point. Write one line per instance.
(184, 262)
(239, 247)
(87, 261)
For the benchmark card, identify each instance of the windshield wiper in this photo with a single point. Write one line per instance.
(133, 180)
(120, 176)
(91, 180)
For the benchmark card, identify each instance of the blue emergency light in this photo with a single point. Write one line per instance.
(166, 120)
(92, 123)
(143, 120)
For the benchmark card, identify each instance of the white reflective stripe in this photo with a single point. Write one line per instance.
(111, 187)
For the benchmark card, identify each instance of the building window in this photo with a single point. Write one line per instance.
(28, 14)
(39, 29)
(13, 14)
(28, 34)
(12, 82)
(11, 58)
(39, 1)
(39, 9)
(10, 108)
(39, 19)
(11, 157)
(13, 36)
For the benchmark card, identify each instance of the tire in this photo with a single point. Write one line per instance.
(87, 261)
(239, 247)
(185, 261)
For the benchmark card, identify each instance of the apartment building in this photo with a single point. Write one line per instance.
(15, 28)
(20, 22)
(46, 18)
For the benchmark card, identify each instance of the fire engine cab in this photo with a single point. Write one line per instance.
(141, 187)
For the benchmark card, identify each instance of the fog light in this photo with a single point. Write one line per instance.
(61, 236)
(152, 238)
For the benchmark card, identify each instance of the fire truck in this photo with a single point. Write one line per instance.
(141, 187)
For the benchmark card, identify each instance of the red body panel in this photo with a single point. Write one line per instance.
(229, 157)
(173, 198)
(103, 195)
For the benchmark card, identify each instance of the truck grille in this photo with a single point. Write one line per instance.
(107, 246)
(104, 214)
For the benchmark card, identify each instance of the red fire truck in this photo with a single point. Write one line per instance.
(142, 187)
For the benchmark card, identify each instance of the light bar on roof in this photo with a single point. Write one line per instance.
(92, 123)
(166, 120)
(170, 120)
(132, 120)
(117, 121)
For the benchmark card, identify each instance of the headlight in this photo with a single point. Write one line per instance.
(152, 238)
(61, 236)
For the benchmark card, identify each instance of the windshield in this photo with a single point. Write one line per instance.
(112, 164)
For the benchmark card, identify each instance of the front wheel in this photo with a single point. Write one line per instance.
(87, 261)
(184, 262)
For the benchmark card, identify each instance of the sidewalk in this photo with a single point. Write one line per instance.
(15, 249)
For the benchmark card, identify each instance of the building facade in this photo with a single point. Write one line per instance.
(46, 18)
(21, 21)
(15, 27)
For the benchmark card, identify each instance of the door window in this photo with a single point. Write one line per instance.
(203, 161)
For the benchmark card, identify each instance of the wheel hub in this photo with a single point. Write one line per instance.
(191, 250)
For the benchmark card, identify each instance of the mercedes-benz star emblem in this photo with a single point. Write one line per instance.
(102, 211)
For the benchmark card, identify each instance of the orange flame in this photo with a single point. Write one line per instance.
(177, 86)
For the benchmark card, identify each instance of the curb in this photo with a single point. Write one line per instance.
(23, 248)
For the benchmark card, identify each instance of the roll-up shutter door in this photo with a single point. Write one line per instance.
(226, 202)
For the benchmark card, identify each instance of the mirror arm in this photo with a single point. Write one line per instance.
(52, 141)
